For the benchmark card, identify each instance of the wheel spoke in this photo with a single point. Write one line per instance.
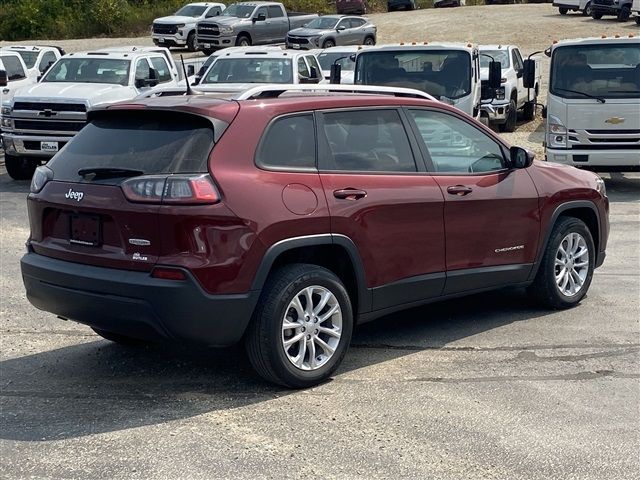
(326, 296)
(328, 350)
(576, 277)
(298, 306)
(581, 264)
(329, 313)
(333, 332)
(572, 283)
(296, 338)
(312, 354)
(309, 296)
(302, 351)
(288, 325)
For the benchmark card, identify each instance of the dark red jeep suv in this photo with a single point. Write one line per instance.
(283, 222)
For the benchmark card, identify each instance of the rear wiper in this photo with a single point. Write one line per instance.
(109, 172)
(600, 99)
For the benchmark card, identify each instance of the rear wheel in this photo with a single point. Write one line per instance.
(328, 44)
(596, 15)
(117, 338)
(588, 10)
(624, 13)
(529, 111)
(567, 265)
(369, 41)
(191, 42)
(243, 41)
(20, 168)
(563, 10)
(638, 19)
(301, 328)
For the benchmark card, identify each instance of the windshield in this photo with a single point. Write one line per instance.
(501, 56)
(250, 70)
(238, 10)
(322, 23)
(90, 70)
(191, 11)
(328, 59)
(29, 58)
(153, 142)
(610, 70)
(441, 73)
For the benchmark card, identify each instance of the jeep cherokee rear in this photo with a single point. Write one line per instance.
(283, 222)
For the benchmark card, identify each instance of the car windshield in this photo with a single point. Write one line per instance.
(323, 23)
(610, 70)
(152, 142)
(238, 10)
(191, 11)
(250, 70)
(501, 56)
(441, 73)
(29, 57)
(327, 59)
(90, 70)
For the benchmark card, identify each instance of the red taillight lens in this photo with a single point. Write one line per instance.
(168, 273)
(172, 189)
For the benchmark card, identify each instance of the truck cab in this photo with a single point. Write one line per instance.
(41, 119)
(448, 71)
(592, 118)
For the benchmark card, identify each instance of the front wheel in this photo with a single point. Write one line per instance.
(301, 328)
(20, 168)
(563, 10)
(529, 110)
(596, 16)
(624, 14)
(243, 41)
(588, 10)
(512, 118)
(566, 270)
(328, 44)
(191, 42)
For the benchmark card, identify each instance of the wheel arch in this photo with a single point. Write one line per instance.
(336, 253)
(244, 33)
(581, 209)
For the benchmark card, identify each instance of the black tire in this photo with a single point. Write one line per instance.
(512, 118)
(544, 289)
(119, 339)
(596, 15)
(588, 10)
(328, 43)
(191, 42)
(20, 168)
(263, 339)
(563, 10)
(412, 5)
(529, 110)
(243, 41)
(369, 41)
(208, 51)
(638, 19)
(624, 13)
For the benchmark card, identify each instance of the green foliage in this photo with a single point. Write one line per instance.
(58, 19)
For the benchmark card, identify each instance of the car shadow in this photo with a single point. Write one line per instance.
(94, 386)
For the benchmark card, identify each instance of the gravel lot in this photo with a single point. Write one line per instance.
(485, 387)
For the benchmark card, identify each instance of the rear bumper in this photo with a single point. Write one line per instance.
(597, 159)
(135, 304)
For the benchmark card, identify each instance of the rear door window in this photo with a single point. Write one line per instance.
(161, 67)
(366, 141)
(289, 144)
(153, 142)
(13, 67)
(48, 59)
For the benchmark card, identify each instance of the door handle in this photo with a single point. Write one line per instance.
(349, 194)
(460, 190)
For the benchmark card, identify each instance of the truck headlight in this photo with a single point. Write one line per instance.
(5, 111)
(6, 123)
(180, 25)
(226, 30)
(500, 93)
(557, 133)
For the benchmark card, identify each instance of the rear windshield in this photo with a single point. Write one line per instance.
(152, 142)
(250, 70)
(28, 57)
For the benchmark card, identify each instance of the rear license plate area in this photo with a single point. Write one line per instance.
(85, 229)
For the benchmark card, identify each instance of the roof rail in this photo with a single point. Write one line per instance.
(275, 90)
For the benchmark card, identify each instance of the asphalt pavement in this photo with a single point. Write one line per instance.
(484, 387)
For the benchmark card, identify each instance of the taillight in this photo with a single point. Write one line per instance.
(40, 177)
(172, 189)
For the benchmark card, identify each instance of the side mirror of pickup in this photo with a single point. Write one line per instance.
(336, 73)
(260, 18)
(4, 79)
(529, 74)
(305, 79)
(520, 158)
(495, 74)
(191, 70)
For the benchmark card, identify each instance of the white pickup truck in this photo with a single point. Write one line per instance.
(13, 75)
(42, 118)
(565, 6)
(512, 96)
(179, 29)
(37, 58)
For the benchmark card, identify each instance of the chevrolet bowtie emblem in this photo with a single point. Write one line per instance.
(614, 120)
(47, 113)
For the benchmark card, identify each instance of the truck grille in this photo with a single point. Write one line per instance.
(54, 107)
(208, 30)
(615, 139)
(298, 40)
(54, 126)
(164, 29)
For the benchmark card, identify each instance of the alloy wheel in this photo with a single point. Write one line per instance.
(571, 265)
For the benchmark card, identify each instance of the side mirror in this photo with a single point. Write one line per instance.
(314, 73)
(303, 79)
(191, 70)
(529, 74)
(336, 73)
(260, 18)
(520, 158)
(196, 81)
(341, 28)
(4, 79)
(495, 74)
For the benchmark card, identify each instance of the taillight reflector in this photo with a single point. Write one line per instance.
(168, 273)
